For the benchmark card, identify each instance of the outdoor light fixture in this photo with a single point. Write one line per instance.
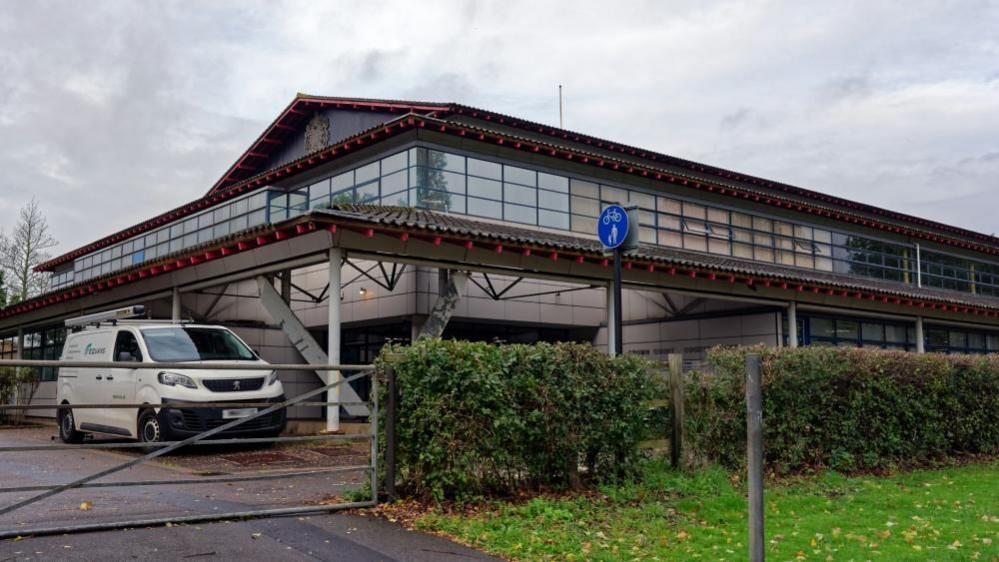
(362, 291)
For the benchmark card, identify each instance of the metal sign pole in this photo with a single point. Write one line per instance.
(618, 305)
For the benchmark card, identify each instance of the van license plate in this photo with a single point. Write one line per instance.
(234, 413)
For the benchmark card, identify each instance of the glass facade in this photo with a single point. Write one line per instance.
(230, 217)
(440, 180)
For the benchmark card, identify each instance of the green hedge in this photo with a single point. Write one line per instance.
(847, 409)
(479, 418)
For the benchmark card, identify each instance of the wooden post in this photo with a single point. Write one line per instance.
(754, 446)
(391, 414)
(676, 386)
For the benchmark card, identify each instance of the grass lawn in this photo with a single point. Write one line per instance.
(948, 514)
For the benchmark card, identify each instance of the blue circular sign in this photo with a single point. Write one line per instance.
(612, 226)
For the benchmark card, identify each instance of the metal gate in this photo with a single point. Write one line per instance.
(162, 448)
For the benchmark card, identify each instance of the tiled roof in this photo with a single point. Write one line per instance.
(456, 225)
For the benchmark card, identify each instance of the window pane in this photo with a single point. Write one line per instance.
(671, 206)
(518, 213)
(367, 193)
(366, 173)
(397, 182)
(610, 194)
(584, 224)
(585, 206)
(822, 327)
(552, 200)
(643, 200)
(342, 181)
(553, 219)
(585, 189)
(520, 175)
(485, 188)
(444, 161)
(484, 169)
(394, 163)
(847, 329)
(554, 183)
(521, 195)
(484, 207)
(873, 332)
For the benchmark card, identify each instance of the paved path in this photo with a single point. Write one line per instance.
(322, 537)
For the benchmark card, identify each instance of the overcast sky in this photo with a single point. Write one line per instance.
(111, 112)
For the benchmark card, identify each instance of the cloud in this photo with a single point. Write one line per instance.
(113, 112)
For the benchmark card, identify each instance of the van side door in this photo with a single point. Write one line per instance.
(94, 346)
(119, 384)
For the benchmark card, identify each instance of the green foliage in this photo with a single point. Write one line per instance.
(17, 386)
(847, 409)
(478, 418)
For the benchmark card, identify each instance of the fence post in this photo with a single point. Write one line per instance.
(391, 415)
(754, 445)
(676, 386)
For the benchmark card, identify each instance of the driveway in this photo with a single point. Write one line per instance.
(316, 537)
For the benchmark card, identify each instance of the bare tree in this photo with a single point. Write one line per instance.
(24, 249)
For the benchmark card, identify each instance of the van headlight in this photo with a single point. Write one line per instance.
(173, 379)
(271, 378)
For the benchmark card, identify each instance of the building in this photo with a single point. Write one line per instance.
(423, 193)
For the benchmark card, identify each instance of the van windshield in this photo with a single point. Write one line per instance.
(195, 344)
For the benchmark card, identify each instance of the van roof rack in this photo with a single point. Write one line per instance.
(111, 316)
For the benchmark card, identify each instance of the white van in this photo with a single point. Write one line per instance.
(164, 390)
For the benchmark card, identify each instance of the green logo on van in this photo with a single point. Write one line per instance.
(91, 350)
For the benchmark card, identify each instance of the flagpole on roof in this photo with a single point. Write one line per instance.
(560, 126)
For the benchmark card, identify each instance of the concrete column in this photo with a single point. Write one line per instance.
(20, 343)
(611, 343)
(920, 345)
(175, 306)
(792, 324)
(333, 341)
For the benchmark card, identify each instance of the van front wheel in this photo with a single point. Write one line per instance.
(67, 427)
(150, 429)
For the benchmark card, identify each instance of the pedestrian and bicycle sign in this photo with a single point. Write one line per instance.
(613, 226)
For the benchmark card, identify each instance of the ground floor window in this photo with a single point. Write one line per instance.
(847, 331)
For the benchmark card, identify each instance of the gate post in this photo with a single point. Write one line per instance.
(391, 415)
(754, 436)
(676, 386)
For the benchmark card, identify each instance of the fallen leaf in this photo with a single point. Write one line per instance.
(86, 506)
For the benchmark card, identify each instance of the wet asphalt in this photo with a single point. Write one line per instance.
(316, 537)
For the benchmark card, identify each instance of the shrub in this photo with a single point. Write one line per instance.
(480, 418)
(17, 386)
(847, 409)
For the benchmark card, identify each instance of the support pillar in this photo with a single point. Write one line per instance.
(286, 286)
(792, 324)
(333, 338)
(20, 344)
(175, 306)
(447, 301)
(920, 344)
